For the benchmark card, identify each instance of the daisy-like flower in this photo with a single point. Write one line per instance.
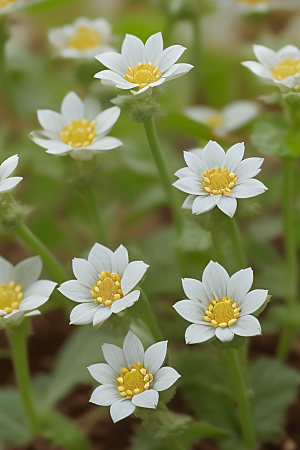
(220, 305)
(281, 67)
(85, 38)
(79, 129)
(8, 6)
(104, 284)
(131, 377)
(142, 66)
(233, 116)
(21, 293)
(6, 169)
(217, 178)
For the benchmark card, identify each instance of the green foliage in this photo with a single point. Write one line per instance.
(269, 134)
(14, 426)
(194, 238)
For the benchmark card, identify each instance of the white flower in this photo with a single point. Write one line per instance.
(6, 169)
(85, 38)
(142, 66)
(131, 377)
(281, 67)
(104, 284)
(217, 178)
(21, 293)
(8, 6)
(233, 116)
(79, 130)
(220, 305)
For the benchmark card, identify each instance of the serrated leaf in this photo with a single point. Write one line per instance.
(269, 134)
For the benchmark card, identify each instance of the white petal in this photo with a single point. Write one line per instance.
(72, 107)
(6, 271)
(28, 271)
(215, 279)
(191, 311)
(238, 114)
(76, 291)
(92, 108)
(247, 326)
(120, 260)
(103, 373)
(200, 113)
(103, 313)
(60, 151)
(248, 168)
(51, 120)
(121, 409)
(114, 62)
(169, 57)
(258, 69)
(184, 172)
(227, 205)
(177, 71)
(289, 51)
(110, 78)
(33, 313)
(266, 56)
(194, 162)
(101, 258)
(133, 349)
(105, 143)
(196, 334)
(155, 356)
(154, 49)
(253, 301)
(133, 50)
(114, 356)
(190, 185)
(84, 272)
(105, 395)
(147, 399)
(8, 166)
(248, 188)
(224, 334)
(239, 284)
(125, 302)
(133, 273)
(32, 302)
(106, 119)
(83, 314)
(44, 288)
(213, 155)
(195, 290)
(164, 378)
(203, 204)
(234, 156)
(9, 184)
(188, 202)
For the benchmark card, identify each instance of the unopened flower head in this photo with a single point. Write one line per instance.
(281, 68)
(6, 169)
(131, 377)
(80, 128)
(220, 305)
(85, 38)
(217, 178)
(105, 284)
(21, 293)
(141, 66)
(232, 117)
(8, 6)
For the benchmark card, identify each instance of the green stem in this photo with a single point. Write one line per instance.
(237, 243)
(36, 246)
(163, 173)
(17, 337)
(95, 215)
(217, 245)
(233, 363)
(149, 319)
(197, 52)
(290, 250)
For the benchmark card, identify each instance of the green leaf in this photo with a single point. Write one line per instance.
(14, 426)
(269, 135)
(182, 124)
(194, 237)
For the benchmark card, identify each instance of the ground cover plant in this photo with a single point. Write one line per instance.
(149, 224)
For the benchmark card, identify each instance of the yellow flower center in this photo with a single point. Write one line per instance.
(253, 2)
(85, 38)
(107, 289)
(218, 181)
(222, 313)
(79, 133)
(134, 380)
(143, 74)
(4, 3)
(214, 121)
(286, 68)
(10, 297)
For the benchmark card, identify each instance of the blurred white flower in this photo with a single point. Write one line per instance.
(21, 293)
(131, 377)
(8, 6)
(6, 169)
(79, 130)
(220, 305)
(281, 67)
(104, 284)
(233, 116)
(142, 66)
(217, 178)
(85, 38)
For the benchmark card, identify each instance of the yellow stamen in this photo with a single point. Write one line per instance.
(85, 38)
(77, 134)
(286, 68)
(218, 181)
(134, 380)
(214, 121)
(143, 74)
(223, 313)
(10, 297)
(106, 290)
